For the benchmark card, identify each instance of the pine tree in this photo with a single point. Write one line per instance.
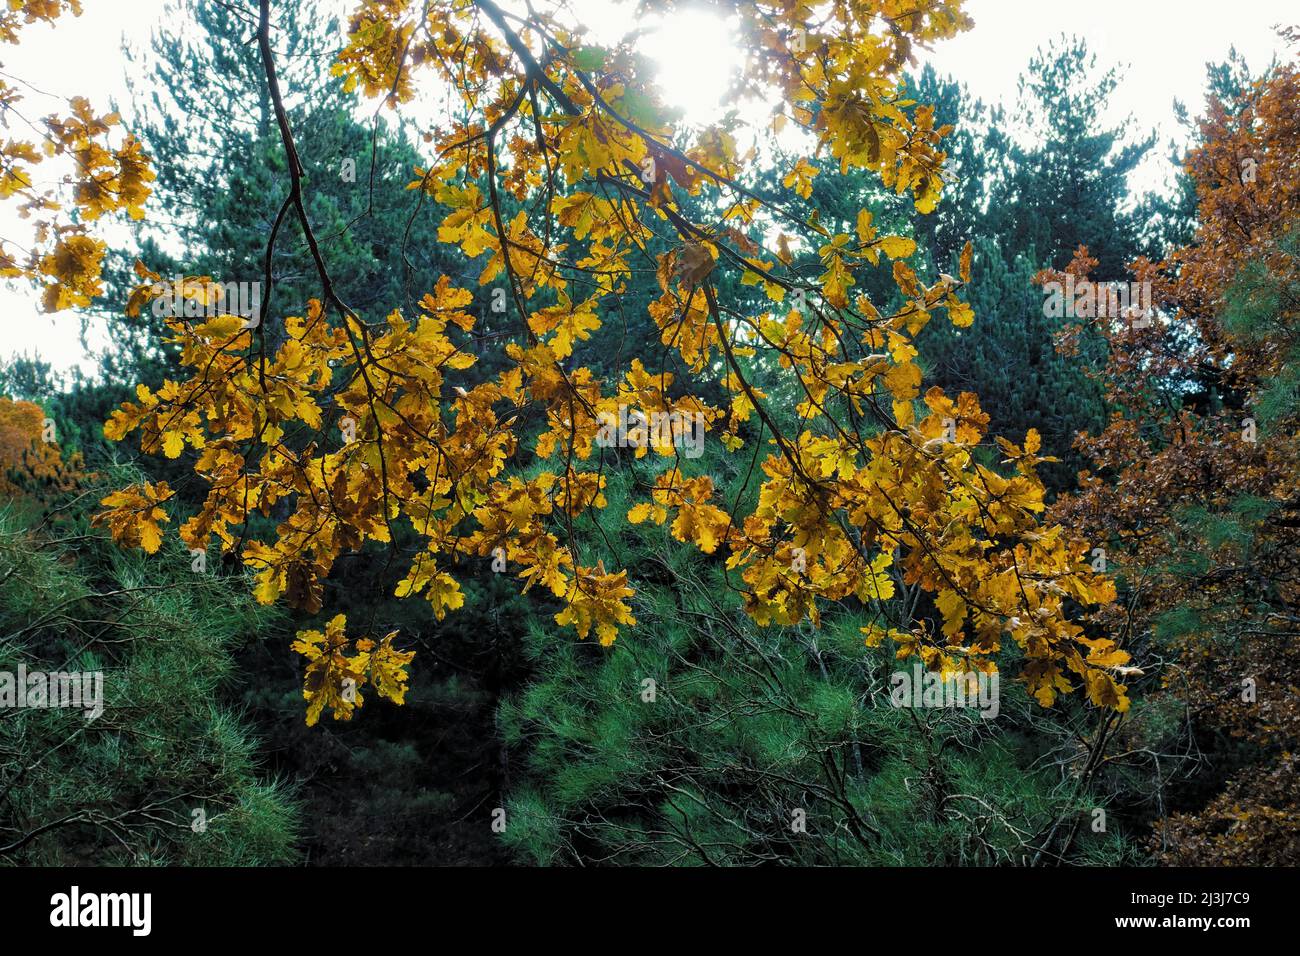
(167, 773)
(1009, 355)
(1070, 187)
(711, 741)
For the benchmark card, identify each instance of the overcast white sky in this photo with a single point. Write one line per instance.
(1163, 46)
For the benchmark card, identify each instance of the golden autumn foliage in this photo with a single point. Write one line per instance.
(30, 459)
(350, 424)
(334, 678)
(1197, 493)
(64, 258)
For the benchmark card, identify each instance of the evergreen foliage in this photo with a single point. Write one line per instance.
(169, 773)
